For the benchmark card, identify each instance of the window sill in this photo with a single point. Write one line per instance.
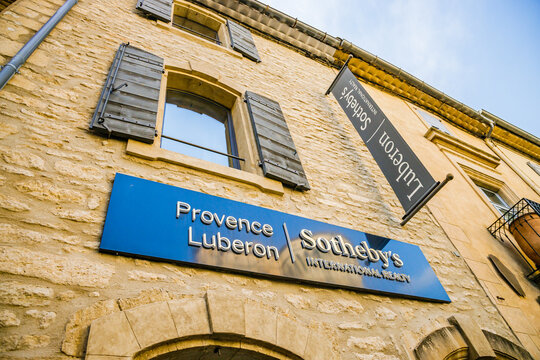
(191, 37)
(152, 152)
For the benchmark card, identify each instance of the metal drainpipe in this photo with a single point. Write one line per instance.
(22, 55)
(504, 158)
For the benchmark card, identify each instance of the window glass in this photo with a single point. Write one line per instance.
(198, 127)
(496, 200)
(195, 28)
(433, 121)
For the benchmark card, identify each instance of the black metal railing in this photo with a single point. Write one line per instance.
(500, 229)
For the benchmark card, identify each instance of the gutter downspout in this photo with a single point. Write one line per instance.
(504, 158)
(24, 53)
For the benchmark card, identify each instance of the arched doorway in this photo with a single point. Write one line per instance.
(216, 327)
(465, 341)
(213, 349)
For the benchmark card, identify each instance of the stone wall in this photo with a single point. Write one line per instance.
(56, 178)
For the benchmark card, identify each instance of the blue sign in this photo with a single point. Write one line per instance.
(162, 222)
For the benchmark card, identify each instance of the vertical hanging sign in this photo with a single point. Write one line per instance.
(410, 180)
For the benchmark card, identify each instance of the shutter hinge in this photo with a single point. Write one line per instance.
(123, 119)
(102, 122)
(281, 166)
(119, 87)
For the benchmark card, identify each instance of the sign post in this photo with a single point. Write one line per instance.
(410, 180)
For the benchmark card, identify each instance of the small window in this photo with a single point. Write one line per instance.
(433, 121)
(496, 200)
(199, 127)
(194, 27)
(197, 22)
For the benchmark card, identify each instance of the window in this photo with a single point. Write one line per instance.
(187, 18)
(198, 127)
(192, 20)
(496, 200)
(182, 114)
(433, 121)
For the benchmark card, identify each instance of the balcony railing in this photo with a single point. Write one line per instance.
(521, 222)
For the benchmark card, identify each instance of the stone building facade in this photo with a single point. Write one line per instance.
(61, 298)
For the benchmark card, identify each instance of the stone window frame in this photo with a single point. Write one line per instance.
(491, 182)
(223, 32)
(197, 79)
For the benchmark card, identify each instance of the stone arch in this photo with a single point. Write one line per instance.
(464, 340)
(217, 320)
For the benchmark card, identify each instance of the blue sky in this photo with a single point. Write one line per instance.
(483, 53)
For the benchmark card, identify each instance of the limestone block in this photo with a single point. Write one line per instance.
(45, 190)
(8, 129)
(45, 317)
(66, 295)
(339, 306)
(8, 318)
(145, 297)
(319, 345)
(375, 356)
(12, 204)
(385, 313)
(357, 325)
(57, 269)
(517, 319)
(439, 344)
(15, 293)
(226, 313)
(21, 342)
(152, 323)
(190, 316)
(16, 170)
(77, 326)
(261, 322)
(292, 334)
(23, 158)
(368, 343)
(298, 301)
(84, 172)
(145, 276)
(112, 335)
(14, 234)
(9, 47)
(77, 215)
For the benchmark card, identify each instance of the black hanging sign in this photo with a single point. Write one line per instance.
(410, 180)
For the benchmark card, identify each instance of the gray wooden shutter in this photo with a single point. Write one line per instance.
(128, 103)
(279, 159)
(157, 9)
(242, 41)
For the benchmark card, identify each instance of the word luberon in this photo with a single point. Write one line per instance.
(221, 243)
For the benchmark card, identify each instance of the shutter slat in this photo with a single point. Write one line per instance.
(130, 111)
(277, 152)
(242, 41)
(156, 9)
